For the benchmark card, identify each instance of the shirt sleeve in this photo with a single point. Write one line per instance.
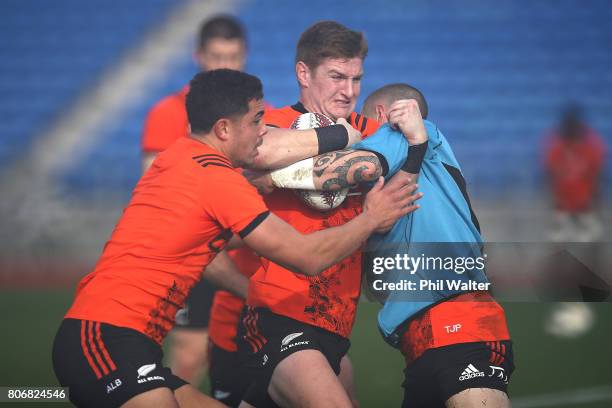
(165, 122)
(234, 203)
(363, 124)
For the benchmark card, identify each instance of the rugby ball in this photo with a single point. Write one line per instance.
(319, 200)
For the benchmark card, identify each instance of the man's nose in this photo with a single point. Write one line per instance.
(348, 89)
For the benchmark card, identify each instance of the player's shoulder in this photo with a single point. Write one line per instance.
(197, 159)
(213, 162)
(366, 126)
(170, 103)
(282, 117)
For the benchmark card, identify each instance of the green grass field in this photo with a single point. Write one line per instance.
(545, 364)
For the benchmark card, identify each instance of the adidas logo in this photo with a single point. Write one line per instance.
(471, 372)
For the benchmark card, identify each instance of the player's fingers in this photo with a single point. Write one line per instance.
(403, 104)
(378, 185)
(410, 208)
(403, 197)
(410, 187)
(409, 200)
(399, 180)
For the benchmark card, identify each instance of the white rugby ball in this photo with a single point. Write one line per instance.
(319, 200)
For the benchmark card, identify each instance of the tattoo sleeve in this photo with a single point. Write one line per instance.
(345, 168)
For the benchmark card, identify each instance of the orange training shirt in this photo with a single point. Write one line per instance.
(182, 212)
(328, 300)
(166, 122)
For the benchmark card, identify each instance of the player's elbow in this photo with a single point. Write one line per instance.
(371, 174)
(310, 267)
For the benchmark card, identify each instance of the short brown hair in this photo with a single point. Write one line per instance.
(221, 26)
(391, 93)
(329, 39)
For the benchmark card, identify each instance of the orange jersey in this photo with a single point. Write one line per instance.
(226, 307)
(182, 212)
(328, 300)
(575, 168)
(166, 122)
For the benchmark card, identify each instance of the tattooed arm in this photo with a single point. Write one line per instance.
(329, 171)
(345, 168)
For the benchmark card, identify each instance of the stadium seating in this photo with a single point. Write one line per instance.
(53, 51)
(495, 75)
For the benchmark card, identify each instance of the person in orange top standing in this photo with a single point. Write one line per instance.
(221, 43)
(302, 324)
(574, 160)
(187, 208)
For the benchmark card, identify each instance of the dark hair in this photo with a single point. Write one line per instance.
(572, 125)
(221, 93)
(222, 26)
(393, 92)
(328, 39)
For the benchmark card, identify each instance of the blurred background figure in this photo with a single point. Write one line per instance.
(221, 43)
(574, 160)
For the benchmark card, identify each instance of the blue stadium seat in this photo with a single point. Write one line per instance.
(54, 51)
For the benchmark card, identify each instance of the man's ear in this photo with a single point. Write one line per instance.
(381, 114)
(222, 128)
(303, 74)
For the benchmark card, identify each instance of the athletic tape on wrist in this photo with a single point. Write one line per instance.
(334, 137)
(416, 154)
(298, 175)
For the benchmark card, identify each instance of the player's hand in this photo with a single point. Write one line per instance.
(354, 135)
(405, 115)
(260, 179)
(387, 203)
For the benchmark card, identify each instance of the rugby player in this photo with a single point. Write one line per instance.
(187, 208)
(221, 43)
(455, 342)
(296, 324)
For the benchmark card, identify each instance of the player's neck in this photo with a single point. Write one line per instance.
(210, 141)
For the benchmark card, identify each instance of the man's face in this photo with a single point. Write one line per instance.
(221, 53)
(333, 87)
(247, 134)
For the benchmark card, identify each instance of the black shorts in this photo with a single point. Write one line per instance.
(229, 378)
(105, 365)
(196, 313)
(442, 372)
(271, 338)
